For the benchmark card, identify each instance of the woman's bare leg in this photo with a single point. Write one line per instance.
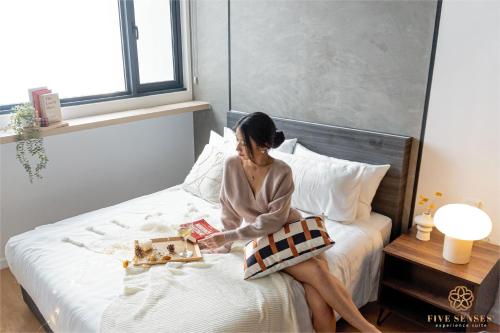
(331, 289)
(323, 318)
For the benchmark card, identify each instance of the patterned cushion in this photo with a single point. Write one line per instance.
(296, 242)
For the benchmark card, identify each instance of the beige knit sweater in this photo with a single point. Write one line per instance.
(248, 216)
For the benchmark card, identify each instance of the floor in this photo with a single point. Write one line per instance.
(16, 317)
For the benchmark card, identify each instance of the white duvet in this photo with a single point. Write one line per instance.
(72, 270)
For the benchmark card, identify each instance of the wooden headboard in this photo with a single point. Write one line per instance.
(356, 145)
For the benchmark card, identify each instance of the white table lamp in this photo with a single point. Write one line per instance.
(461, 224)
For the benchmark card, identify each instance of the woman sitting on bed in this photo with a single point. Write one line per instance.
(257, 190)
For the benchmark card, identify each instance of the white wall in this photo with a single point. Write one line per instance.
(92, 169)
(461, 155)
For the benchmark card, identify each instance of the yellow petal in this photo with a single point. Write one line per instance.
(425, 199)
(438, 194)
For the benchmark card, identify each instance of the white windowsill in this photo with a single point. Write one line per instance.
(114, 118)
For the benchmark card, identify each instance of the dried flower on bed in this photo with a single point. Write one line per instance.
(139, 253)
(171, 248)
(166, 258)
(152, 257)
(125, 263)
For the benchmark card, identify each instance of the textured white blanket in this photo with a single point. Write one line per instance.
(72, 270)
(203, 297)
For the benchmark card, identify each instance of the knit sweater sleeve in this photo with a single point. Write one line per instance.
(277, 215)
(229, 217)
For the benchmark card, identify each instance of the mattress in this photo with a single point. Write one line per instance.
(72, 283)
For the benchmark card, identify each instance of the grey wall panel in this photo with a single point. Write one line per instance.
(210, 65)
(360, 64)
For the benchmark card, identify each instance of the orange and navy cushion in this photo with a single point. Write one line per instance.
(295, 242)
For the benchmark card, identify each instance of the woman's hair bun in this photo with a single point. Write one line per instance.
(279, 137)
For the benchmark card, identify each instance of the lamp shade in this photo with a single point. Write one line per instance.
(463, 222)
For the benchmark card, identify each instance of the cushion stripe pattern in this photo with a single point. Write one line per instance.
(295, 242)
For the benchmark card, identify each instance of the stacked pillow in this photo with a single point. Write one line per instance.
(371, 177)
(340, 189)
(325, 188)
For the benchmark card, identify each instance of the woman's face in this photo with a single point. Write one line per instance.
(241, 147)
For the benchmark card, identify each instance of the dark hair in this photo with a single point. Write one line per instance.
(261, 128)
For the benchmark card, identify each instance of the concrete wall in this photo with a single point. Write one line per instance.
(92, 169)
(360, 64)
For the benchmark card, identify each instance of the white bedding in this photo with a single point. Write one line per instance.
(73, 285)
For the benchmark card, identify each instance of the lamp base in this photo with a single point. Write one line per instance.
(457, 251)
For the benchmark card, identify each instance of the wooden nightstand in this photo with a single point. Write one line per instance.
(416, 282)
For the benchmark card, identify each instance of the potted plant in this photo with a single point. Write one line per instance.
(29, 143)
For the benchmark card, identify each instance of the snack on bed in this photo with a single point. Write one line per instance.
(152, 257)
(146, 244)
(166, 258)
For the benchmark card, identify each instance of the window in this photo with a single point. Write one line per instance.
(89, 51)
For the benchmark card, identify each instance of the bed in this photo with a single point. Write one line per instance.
(71, 276)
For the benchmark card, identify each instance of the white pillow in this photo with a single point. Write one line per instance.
(230, 141)
(215, 139)
(324, 187)
(205, 178)
(372, 176)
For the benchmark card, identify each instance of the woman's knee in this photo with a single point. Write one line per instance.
(320, 269)
(311, 271)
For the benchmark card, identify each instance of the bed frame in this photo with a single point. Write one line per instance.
(357, 145)
(341, 142)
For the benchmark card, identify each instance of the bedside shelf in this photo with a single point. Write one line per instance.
(416, 282)
(414, 310)
(423, 295)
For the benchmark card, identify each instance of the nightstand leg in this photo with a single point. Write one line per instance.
(380, 318)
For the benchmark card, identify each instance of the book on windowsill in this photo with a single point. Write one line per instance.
(34, 96)
(200, 229)
(50, 108)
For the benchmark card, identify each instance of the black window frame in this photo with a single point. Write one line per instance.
(133, 88)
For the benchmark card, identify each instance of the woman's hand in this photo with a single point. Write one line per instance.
(213, 241)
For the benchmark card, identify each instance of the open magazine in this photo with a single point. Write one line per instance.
(200, 229)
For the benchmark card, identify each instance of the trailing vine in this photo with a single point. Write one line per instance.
(28, 140)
